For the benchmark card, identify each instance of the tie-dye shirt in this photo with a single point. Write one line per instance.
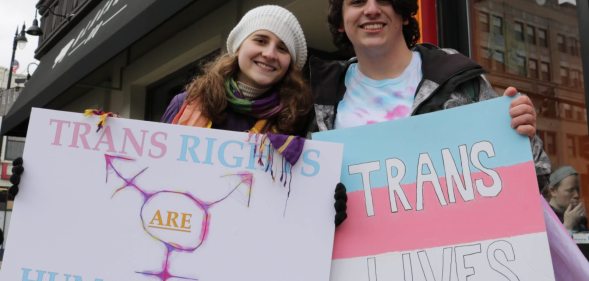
(369, 101)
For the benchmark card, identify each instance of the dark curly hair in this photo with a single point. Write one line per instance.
(407, 9)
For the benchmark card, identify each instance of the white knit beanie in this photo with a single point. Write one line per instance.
(277, 20)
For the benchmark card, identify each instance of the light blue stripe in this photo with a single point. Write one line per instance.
(430, 133)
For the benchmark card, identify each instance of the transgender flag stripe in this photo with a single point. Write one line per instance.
(515, 207)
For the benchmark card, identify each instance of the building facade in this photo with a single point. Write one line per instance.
(18, 79)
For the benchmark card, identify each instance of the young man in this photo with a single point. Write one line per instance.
(393, 77)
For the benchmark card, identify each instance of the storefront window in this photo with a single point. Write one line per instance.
(534, 45)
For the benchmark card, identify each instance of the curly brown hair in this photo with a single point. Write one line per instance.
(293, 91)
(407, 9)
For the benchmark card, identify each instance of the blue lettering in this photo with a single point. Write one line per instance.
(186, 149)
(222, 159)
(210, 144)
(40, 275)
(252, 161)
(78, 278)
(310, 162)
(52, 275)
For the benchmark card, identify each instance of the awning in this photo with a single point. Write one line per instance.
(109, 29)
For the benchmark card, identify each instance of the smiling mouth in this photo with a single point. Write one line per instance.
(372, 26)
(265, 66)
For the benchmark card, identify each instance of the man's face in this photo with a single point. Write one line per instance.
(566, 193)
(372, 24)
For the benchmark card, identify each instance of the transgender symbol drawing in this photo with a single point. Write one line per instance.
(170, 217)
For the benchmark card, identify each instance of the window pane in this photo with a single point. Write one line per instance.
(484, 22)
(531, 34)
(14, 149)
(561, 43)
(497, 25)
(542, 38)
(564, 76)
(518, 31)
(533, 68)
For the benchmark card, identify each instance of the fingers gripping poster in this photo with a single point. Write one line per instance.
(149, 201)
(449, 196)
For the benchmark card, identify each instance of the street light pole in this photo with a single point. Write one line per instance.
(19, 40)
(12, 59)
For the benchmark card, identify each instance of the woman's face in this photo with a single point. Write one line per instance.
(566, 193)
(263, 60)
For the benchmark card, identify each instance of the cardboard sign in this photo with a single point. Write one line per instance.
(445, 196)
(150, 201)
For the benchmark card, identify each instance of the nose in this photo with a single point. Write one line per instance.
(270, 51)
(576, 194)
(372, 8)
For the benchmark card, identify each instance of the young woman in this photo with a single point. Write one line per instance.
(257, 86)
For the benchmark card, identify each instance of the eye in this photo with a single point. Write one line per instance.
(260, 40)
(356, 2)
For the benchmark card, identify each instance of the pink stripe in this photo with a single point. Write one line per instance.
(515, 211)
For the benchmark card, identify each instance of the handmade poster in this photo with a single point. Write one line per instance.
(140, 200)
(444, 196)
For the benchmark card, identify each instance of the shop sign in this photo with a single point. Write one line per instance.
(96, 24)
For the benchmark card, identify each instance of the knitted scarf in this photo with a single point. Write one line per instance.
(262, 108)
(289, 147)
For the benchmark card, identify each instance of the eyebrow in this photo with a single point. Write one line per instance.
(262, 35)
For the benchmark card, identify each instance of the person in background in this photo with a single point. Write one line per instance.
(565, 199)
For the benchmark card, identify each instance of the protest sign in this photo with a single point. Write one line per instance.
(150, 201)
(445, 196)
